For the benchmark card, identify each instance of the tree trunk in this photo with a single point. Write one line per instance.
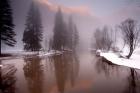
(131, 52)
(133, 82)
(0, 76)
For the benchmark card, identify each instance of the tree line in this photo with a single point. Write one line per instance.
(105, 39)
(65, 34)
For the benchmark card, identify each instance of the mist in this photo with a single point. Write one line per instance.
(86, 19)
(70, 46)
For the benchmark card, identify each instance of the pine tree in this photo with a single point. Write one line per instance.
(73, 36)
(32, 35)
(33, 73)
(6, 23)
(50, 43)
(60, 32)
(70, 33)
(76, 37)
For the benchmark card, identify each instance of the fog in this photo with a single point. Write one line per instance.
(70, 46)
(86, 21)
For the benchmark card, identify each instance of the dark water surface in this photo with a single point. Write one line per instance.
(67, 73)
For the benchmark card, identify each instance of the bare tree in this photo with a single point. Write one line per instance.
(107, 38)
(97, 39)
(103, 39)
(131, 34)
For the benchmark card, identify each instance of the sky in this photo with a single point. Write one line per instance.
(106, 10)
(92, 13)
(98, 7)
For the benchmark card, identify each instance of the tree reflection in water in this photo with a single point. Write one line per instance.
(7, 78)
(74, 68)
(66, 68)
(133, 82)
(105, 66)
(34, 74)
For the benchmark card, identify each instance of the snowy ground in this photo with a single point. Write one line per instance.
(133, 62)
(18, 54)
(50, 53)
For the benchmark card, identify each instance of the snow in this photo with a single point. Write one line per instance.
(45, 54)
(1, 66)
(18, 54)
(133, 62)
(50, 53)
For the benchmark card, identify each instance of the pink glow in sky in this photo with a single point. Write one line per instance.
(83, 10)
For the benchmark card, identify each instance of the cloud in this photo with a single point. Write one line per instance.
(82, 10)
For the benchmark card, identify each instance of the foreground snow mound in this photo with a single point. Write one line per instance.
(133, 62)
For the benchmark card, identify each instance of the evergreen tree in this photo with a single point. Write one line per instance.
(70, 33)
(60, 32)
(33, 73)
(6, 23)
(65, 36)
(50, 43)
(73, 36)
(32, 35)
(76, 37)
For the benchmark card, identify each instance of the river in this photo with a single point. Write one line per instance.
(67, 73)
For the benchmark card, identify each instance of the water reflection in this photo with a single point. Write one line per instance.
(7, 78)
(74, 68)
(33, 74)
(133, 82)
(66, 68)
(67, 73)
(105, 66)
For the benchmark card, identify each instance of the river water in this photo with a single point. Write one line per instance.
(67, 73)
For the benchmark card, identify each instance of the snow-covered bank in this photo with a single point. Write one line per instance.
(54, 52)
(50, 53)
(133, 62)
(18, 54)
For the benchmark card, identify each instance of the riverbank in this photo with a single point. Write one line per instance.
(133, 62)
(17, 54)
